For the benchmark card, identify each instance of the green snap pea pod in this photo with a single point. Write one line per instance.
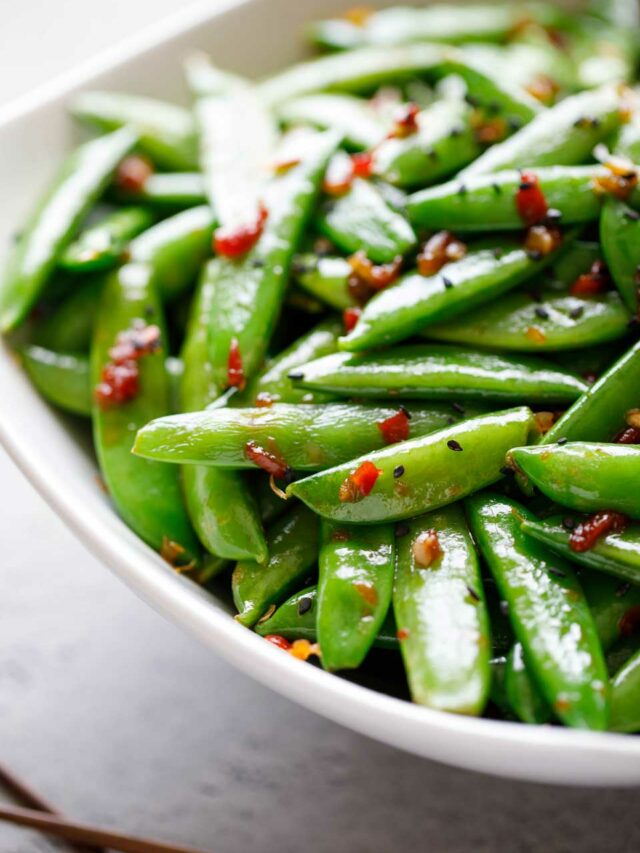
(102, 245)
(623, 650)
(625, 697)
(599, 414)
(545, 320)
(293, 542)
(356, 71)
(443, 144)
(249, 291)
(563, 135)
(325, 278)
(584, 476)
(356, 566)
(361, 219)
(146, 495)
(166, 132)
(220, 505)
(61, 378)
(522, 693)
(620, 237)
(70, 326)
(52, 224)
(438, 372)
(167, 191)
(307, 438)
(548, 611)
(418, 475)
(441, 615)
(618, 553)
(353, 118)
(416, 301)
(296, 619)
(273, 384)
(488, 202)
(614, 606)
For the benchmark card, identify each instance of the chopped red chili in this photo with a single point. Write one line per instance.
(339, 176)
(541, 240)
(426, 548)
(269, 461)
(350, 317)
(377, 277)
(235, 371)
(133, 173)
(120, 377)
(406, 121)
(620, 179)
(362, 164)
(367, 592)
(235, 241)
(359, 484)
(395, 428)
(135, 342)
(587, 533)
(264, 400)
(630, 435)
(279, 641)
(439, 250)
(543, 88)
(591, 283)
(530, 201)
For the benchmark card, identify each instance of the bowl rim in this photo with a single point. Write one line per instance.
(395, 721)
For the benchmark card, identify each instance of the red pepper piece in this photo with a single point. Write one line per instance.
(133, 173)
(359, 484)
(279, 641)
(530, 201)
(439, 250)
(593, 282)
(362, 164)
(406, 122)
(235, 371)
(350, 317)
(136, 342)
(395, 428)
(426, 548)
(233, 242)
(119, 384)
(587, 533)
(377, 277)
(269, 461)
(630, 435)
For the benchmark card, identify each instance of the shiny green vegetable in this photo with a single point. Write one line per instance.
(617, 553)
(220, 505)
(356, 566)
(613, 604)
(325, 278)
(584, 475)
(61, 378)
(625, 697)
(353, 118)
(418, 475)
(438, 372)
(488, 202)
(167, 191)
(102, 245)
(166, 132)
(548, 612)
(564, 135)
(361, 219)
(293, 544)
(51, 226)
(249, 291)
(417, 301)
(620, 237)
(146, 494)
(521, 691)
(304, 438)
(441, 614)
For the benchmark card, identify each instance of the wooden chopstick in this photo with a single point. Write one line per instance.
(21, 791)
(71, 831)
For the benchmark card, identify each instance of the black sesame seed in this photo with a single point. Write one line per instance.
(398, 471)
(472, 100)
(493, 107)
(562, 441)
(258, 263)
(553, 215)
(462, 190)
(406, 412)
(504, 608)
(432, 154)
(455, 132)
(452, 444)
(526, 185)
(576, 312)
(496, 188)
(447, 282)
(473, 593)
(401, 529)
(557, 572)
(623, 589)
(514, 123)
(569, 523)
(296, 374)
(541, 312)
(507, 470)
(458, 407)
(451, 420)
(304, 605)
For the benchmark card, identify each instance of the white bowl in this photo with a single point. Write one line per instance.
(254, 37)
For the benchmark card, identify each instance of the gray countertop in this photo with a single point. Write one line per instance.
(120, 719)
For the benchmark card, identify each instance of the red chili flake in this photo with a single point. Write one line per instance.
(362, 164)
(269, 461)
(530, 201)
(403, 634)
(279, 641)
(303, 649)
(406, 121)
(630, 435)
(235, 372)
(543, 88)
(235, 241)
(133, 173)
(587, 533)
(359, 484)
(395, 428)
(536, 335)
(120, 383)
(339, 176)
(138, 341)
(541, 240)
(439, 250)
(426, 548)
(350, 317)
(377, 277)
(367, 592)
(264, 400)
(629, 622)
(596, 281)
(620, 179)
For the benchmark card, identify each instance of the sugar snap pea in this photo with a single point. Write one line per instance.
(325, 278)
(620, 238)
(102, 245)
(53, 223)
(166, 191)
(522, 693)
(417, 475)
(62, 378)
(614, 606)
(625, 697)
(548, 612)
(166, 132)
(353, 118)
(438, 372)
(441, 614)
(293, 543)
(356, 566)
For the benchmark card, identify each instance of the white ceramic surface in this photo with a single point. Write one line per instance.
(254, 37)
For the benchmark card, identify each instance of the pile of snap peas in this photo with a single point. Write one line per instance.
(362, 338)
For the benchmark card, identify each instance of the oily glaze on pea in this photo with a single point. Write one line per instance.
(620, 236)
(61, 378)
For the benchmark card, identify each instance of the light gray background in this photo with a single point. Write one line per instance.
(120, 719)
